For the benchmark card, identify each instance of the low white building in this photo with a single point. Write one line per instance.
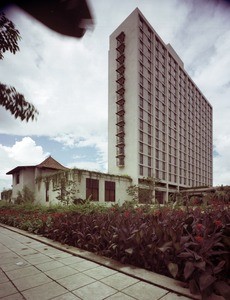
(53, 183)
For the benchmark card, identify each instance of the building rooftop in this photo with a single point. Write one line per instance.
(48, 163)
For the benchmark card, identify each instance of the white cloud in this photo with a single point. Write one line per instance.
(22, 153)
(221, 164)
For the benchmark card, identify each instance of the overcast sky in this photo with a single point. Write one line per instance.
(67, 80)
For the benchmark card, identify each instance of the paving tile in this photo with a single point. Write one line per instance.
(8, 255)
(22, 272)
(3, 277)
(61, 272)
(49, 265)
(95, 291)
(145, 291)
(59, 255)
(18, 264)
(119, 281)
(173, 296)
(36, 259)
(3, 249)
(16, 296)
(44, 292)
(71, 260)
(67, 296)
(120, 296)
(6, 289)
(31, 281)
(9, 260)
(75, 281)
(100, 272)
(84, 265)
(25, 251)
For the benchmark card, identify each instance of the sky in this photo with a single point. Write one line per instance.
(67, 80)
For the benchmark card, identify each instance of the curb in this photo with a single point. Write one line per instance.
(159, 280)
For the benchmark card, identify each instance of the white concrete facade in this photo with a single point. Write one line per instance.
(160, 124)
(47, 184)
(47, 188)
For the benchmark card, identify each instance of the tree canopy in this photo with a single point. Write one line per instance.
(10, 99)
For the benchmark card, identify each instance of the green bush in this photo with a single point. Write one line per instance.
(26, 196)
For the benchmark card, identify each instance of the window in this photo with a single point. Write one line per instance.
(141, 147)
(92, 189)
(141, 170)
(141, 136)
(149, 139)
(141, 102)
(141, 125)
(141, 158)
(141, 113)
(149, 150)
(110, 191)
(47, 190)
(17, 178)
(149, 161)
(149, 172)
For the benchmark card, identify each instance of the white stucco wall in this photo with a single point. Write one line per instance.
(26, 178)
(79, 179)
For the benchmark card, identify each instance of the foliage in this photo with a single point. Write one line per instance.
(6, 195)
(9, 36)
(67, 190)
(10, 99)
(144, 191)
(26, 196)
(191, 246)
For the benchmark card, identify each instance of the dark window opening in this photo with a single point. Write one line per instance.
(92, 189)
(17, 178)
(47, 191)
(109, 191)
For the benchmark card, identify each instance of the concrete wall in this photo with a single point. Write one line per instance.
(26, 178)
(47, 188)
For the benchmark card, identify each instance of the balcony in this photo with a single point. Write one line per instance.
(120, 79)
(121, 69)
(120, 121)
(121, 37)
(120, 131)
(120, 155)
(121, 59)
(120, 142)
(121, 48)
(120, 111)
(120, 162)
(120, 90)
(120, 100)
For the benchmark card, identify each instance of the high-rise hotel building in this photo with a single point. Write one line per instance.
(160, 124)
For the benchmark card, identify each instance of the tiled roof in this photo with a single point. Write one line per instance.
(51, 163)
(48, 163)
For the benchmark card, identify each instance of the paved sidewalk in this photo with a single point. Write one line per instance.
(31, 269)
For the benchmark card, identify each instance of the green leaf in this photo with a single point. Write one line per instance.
(173, 269)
